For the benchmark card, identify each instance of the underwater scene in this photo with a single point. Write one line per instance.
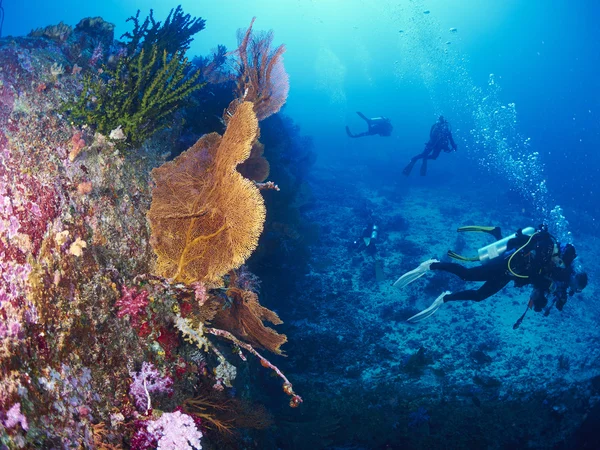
(299, 224)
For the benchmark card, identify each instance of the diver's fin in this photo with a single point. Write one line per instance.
(367, 241)
(455, 255)
(409, 167)
(431, 310)
(414, 274)
(349, 133)
(494, 231)
(362, 116)
(423, 170)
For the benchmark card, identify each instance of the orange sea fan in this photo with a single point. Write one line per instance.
(256, 167)
(245, 319)
(205, 217)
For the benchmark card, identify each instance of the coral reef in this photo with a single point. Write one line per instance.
(261, 77)
(151, 79)
(220, 212)
(102, 344)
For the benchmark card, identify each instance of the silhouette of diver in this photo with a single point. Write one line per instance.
(377, 125)
(440, 137)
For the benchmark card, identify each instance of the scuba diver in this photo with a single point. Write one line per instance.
(440, 137)
(367, 245)
(528, 256)
(367, 240)
(377, 125)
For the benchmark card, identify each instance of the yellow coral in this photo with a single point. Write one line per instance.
(205, 217)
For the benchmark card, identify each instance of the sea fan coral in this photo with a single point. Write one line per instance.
(256, 167)
(245, 320)
(262, 78)
(205, 217)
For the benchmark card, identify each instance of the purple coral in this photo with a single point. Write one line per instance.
(172, 431)
(132, 303)
(14, 417)
(145, 381)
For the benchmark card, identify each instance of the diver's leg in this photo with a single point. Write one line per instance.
(356, 135)
(477, 273)
(426, 156)
(488, 289)
(434, 155)
(362, 116)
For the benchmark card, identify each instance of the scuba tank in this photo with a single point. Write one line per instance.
(492, 251)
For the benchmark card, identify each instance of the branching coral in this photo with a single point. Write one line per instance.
(139, 96)
(244, 318)
(148, 84)
(205, 217)
(172, 36)
(261, 78)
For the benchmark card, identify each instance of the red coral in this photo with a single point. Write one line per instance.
(133, 304)
(168, 340)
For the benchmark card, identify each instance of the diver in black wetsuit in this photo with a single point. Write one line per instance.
(440, 138)
(536, 259)
(377, 125)
(527, 260)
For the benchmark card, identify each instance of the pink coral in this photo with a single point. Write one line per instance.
(133, 304)
(145, 381)
(14, 417)
(172, 431)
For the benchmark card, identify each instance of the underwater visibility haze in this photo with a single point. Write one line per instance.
(299, 224)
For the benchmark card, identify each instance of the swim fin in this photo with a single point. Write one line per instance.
(455, 255)
(431, 310)
(414, 274)
(494, 231)
(408, 169)
(424, 167)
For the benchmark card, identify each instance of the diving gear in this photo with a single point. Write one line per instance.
(491, 251)
(414, 274)
(423, 171)
(431, 310)
(494, 231)
(520, 319)
(498, 248)
(409, 167)
(455, 255)
(372, 236)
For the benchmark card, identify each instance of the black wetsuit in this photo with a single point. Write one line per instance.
(378, 125)
(440, 137)
(534, 261)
